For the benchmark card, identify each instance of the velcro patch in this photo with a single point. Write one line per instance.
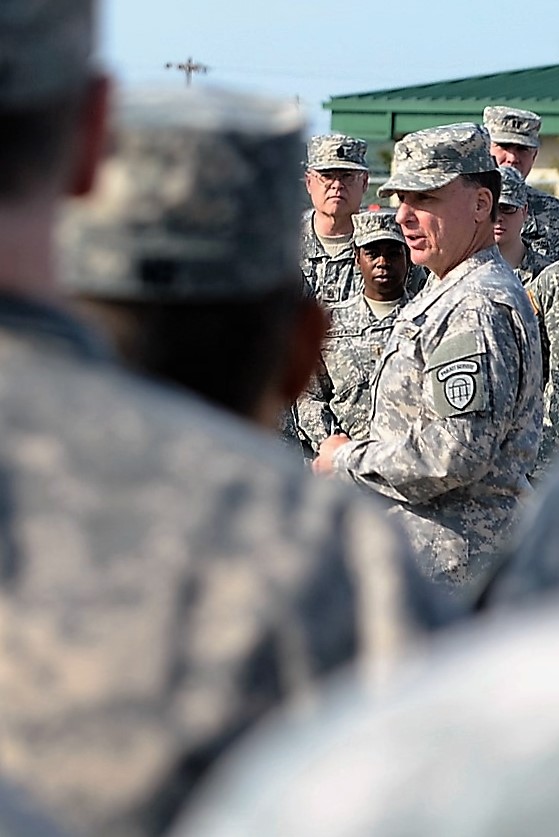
(458, 378)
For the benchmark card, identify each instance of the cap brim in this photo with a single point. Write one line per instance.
(421, 182)
(515, 139)
(381, 235)
(337, 164)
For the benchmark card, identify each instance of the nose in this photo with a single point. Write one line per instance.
(403, 213)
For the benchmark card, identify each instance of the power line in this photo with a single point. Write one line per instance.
(188, 67)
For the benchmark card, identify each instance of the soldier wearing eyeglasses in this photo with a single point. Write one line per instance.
(336, 179)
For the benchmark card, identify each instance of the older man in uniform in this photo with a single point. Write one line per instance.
(336, 179)
(515, 142)
(166, 573)
(338, 397)
(456, 417)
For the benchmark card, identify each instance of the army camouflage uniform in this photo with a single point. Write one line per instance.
(167, 574)
(338, 398)
(532, 264)
(544, 290)
(456, 417)
(541, 228)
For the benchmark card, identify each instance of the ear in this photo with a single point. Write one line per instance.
(303, 351)
(92, 136)
(308, 182)
(356, 255)
(483, 204)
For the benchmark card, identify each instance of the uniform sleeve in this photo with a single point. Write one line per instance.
(448, 423)
(315, 418)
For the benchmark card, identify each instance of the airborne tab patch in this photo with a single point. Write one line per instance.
(458, 380)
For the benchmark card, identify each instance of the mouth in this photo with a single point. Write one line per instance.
(414, 241)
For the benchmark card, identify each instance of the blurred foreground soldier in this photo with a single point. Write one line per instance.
(456, 417)
(336, 178)
(338, 397)
(465, 747)
(20, 817)
(166, 573)
(515, 142)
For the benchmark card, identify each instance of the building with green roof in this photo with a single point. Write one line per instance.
(384, 116)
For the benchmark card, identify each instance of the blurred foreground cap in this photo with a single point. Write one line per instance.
(45, 49)
(432, 158)
(198, 199)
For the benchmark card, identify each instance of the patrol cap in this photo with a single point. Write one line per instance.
(45, 49)
(376, 226)
(336, 151)
(510, 125)
(514, 191)
(199, 199)
(434, 157)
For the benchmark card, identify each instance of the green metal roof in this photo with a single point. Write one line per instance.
(389, 114)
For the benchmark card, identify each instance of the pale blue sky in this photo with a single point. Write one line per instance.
(315, 50)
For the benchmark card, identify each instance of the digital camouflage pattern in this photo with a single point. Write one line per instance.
(465, 745)
(379, 225)
(532, 264)
(514, 191)
(166, 576)
(512, 125)
(541, 228)
(39, 41)
(434, 157)
(456, 418)
(338, 397)
(336, 151)
(182, 185)
(544, 289)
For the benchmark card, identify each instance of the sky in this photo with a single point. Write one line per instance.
(314, 50)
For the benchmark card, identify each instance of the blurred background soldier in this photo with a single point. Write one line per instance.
(456, 418)
(338, 397)
(336, 178)
(515, 142)
(166, 572)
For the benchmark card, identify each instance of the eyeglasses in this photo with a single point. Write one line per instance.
(507, 209)
(328, 176)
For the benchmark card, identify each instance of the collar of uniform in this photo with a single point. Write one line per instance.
(33, 317)
(421, 303)
(312, 247)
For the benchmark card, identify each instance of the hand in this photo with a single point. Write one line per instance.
(323, 462)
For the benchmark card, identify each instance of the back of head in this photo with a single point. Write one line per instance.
(198, 201)
(45, 48)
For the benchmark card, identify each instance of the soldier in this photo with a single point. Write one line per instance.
(456, 417)
(515, 142)
(464, 746)
(512, 211)
(336, 179)
(338, 397)
(166, 573)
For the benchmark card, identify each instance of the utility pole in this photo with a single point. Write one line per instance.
(188, 67)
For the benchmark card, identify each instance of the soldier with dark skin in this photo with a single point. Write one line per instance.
(338, 397)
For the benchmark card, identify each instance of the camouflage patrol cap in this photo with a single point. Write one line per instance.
(514, 191)
(434, 157)
(376, 226)
(45, 49)
(510, 125)
(198, 199)
(336, 151)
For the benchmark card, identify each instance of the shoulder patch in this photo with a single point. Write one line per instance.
(458, 376)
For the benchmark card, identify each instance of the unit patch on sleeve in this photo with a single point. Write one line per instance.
(457, 376)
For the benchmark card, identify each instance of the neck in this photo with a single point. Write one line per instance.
(482, 238)
(328, 225)
(26, 249)
(513, 252)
